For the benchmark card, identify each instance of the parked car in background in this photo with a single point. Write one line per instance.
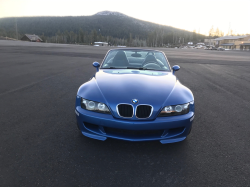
(220, 49)
(213, 48)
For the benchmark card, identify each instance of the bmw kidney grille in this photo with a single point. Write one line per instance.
(143, 111)
(127, 111)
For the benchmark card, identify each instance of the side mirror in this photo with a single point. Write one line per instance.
(96, 65)
(175, 68)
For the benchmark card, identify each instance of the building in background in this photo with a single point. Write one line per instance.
(234, 42)
(31, 38)
(210, 42)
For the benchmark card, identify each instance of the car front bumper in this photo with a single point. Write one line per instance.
(102, 126)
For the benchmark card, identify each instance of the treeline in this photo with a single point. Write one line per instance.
(116, 30)
(154, 39)
(216, 32)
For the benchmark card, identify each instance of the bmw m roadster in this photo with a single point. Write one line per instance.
(135, 96)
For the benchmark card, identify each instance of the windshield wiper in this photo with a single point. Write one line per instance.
(113, 68)
(144, 69)
(139, 68)
(133, 68)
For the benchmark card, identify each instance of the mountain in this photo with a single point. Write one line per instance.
(107, 13)
(98, 26)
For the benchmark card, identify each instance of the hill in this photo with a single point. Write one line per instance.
(108, 26)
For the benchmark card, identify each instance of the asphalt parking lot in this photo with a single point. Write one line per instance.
(40, 144)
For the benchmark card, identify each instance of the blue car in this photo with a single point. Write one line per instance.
(135, 96)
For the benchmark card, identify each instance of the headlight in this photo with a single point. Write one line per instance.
(174, 110)
(94, 106)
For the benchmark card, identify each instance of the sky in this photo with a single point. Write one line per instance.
(199, 15)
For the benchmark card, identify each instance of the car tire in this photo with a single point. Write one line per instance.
(189, 130)
(77, 125)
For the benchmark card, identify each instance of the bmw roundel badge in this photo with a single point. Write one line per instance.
(135, 101)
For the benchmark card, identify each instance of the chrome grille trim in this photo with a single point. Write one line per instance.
(152, 109)
(117, 110)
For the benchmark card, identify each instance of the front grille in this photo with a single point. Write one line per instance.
(125, 110)
(143, 111)
(135, 133)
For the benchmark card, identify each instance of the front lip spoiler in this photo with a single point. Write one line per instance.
(97, 137)
(102, 138)
(172, 140)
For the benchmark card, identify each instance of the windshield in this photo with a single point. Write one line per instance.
(136, 59)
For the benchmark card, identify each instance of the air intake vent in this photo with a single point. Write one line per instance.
(143, 111)
(125, 110)
(133, 133)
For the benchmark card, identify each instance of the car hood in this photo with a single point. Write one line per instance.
(121, 86)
